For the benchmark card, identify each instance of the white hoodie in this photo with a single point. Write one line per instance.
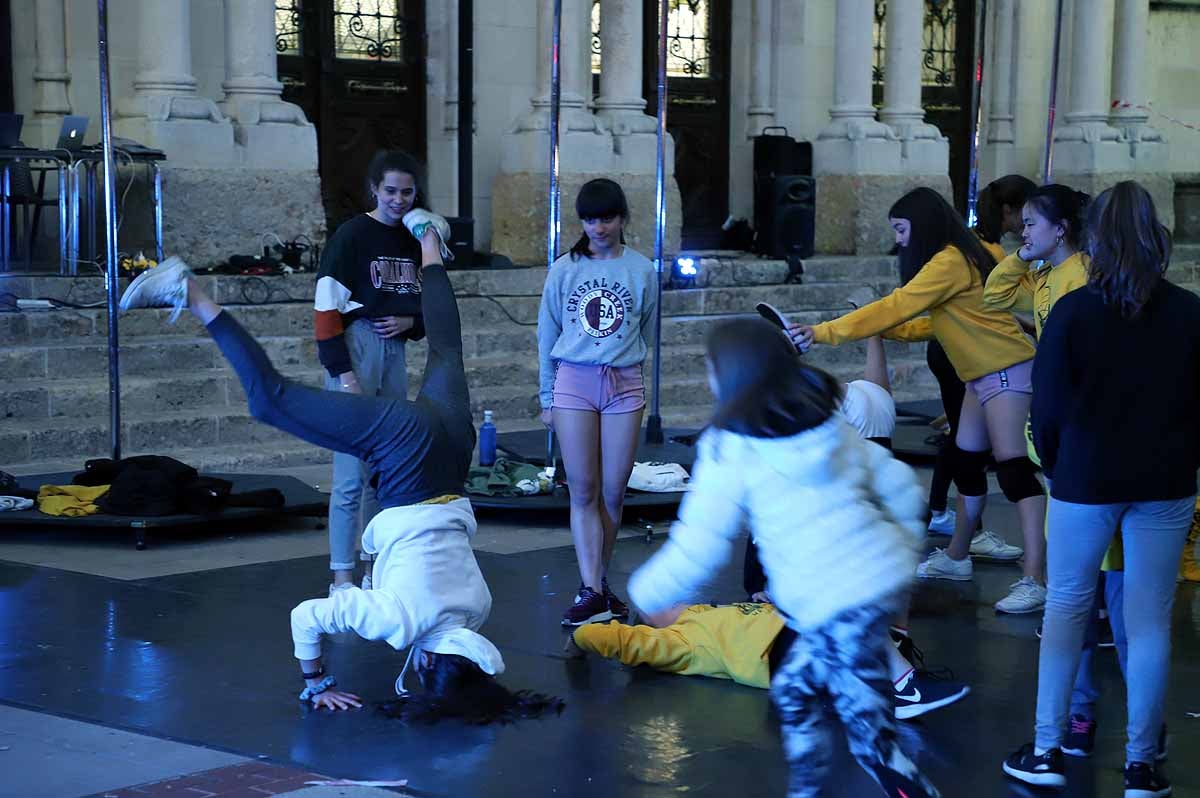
(838, 522)
(428, 590)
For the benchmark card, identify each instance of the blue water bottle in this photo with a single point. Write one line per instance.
(487, 440)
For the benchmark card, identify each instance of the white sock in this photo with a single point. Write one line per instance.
(1039, 751)
(903, 679)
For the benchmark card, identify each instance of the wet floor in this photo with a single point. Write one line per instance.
(206, 658)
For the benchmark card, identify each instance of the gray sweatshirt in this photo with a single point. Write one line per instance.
(595, 312)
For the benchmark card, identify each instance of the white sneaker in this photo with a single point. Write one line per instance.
(991, 546)
(164, 286)
(1026, 596)
(366, 582)
(943, 523)
(939, 566)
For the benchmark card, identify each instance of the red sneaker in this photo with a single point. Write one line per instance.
(589, 607)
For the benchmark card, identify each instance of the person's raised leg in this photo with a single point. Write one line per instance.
(578, 434)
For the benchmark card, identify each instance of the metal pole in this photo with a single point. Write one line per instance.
(64, 267)
(976, 109)
(466, 119)
(654, 428)
(555, 209)
(1048, 161)
(110, 218)
(158, 199)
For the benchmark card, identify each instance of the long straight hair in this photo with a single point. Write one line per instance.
(934, 225)
(1129, 246)
(455, 688)
(598, 199)
(764, 389)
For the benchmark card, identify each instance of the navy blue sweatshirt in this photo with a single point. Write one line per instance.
(1116, 401)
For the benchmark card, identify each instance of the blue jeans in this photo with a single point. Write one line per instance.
(1086, 690)
(1153, 535)
(379, 365)
(414, 450)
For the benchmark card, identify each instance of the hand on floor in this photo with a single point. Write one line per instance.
(335, 700)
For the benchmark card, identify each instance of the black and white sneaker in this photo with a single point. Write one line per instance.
(772, 314)
(1144, 781)
(920, 693)
(1040, 771)
(164, 286)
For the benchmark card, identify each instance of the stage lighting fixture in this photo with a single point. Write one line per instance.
(684, 272)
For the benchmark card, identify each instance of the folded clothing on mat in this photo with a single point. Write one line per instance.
(155, 485)
(71, 501)
(508, 478)
(658, 477)
(14, 503)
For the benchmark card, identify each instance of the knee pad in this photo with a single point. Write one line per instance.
(970, 471)
(1018, 479)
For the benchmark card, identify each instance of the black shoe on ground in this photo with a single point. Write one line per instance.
(1081, 736)
(1105, 639)
(920, 693)
(1144, 781)
(1040, 771)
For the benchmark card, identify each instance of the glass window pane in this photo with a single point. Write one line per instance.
(369, 29)
(288, 23)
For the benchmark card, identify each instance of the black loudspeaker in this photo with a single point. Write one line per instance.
(786, 227)
(776, 155)
(461, 243)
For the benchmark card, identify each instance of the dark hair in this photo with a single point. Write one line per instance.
(456, 688)
(764, 389)
(934, 225)
(1010, 190)
(386, 161)
(1130, 248)
(1059, 204)
(598, 199)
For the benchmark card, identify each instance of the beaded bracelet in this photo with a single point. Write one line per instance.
(309, 692)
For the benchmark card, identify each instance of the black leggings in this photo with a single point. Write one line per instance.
(415, 450)
(953, 392)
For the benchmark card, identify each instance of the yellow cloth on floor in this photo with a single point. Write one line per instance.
(727, 642)
(70, 500)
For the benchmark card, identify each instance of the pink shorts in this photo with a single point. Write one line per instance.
(1017, 378)
(601, 389)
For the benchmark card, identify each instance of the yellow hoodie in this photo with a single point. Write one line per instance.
(979, 340)
(1012, 285)
(727, 642)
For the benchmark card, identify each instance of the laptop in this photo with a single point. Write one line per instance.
(70, 137)
(10, 129)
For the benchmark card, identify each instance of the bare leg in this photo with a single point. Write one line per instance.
(877, 364)
(618, 441)
(579, 439)
(972, 436)
(1005, 415)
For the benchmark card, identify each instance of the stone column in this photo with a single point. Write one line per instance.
(1147, 147)
(856, 158)
(166, 111)
(761, 112)
(1086, 143)
(620, 103)
(451, 107)
(270, 133)
(50, 75)
(587, 147)
(924, 149)
(997, 157)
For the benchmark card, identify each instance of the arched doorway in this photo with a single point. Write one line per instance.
(357, 68)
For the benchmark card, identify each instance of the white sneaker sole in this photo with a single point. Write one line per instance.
(1037, 779)
(909, 711)
(1148, 793)
(947, 576)
(998, 557)
(1078, 753)
(599, 617)
(1020, 610)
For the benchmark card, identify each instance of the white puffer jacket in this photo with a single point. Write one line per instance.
(838, 521)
